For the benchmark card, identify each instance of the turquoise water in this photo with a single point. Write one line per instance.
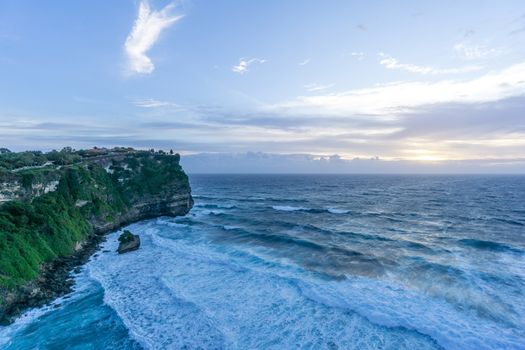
(311, 262)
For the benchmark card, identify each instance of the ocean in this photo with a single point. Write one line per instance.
(306, 262)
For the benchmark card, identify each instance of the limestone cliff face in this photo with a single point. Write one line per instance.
(176, 204)
(20, 185)
(50, 214)
(159, 188)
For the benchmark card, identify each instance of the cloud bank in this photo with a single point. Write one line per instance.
(444, 132)
(145, 32)
(267, 163)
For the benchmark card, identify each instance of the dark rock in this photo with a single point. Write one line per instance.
(51, 283)
(128, 242)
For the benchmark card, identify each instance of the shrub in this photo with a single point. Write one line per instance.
(126, 237)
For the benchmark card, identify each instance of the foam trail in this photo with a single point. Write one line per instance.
(288, 208)
(338, 211)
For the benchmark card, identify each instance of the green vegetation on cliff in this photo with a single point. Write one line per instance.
(38, 231)
(85, 192)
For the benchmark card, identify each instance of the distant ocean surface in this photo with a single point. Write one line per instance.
(307, 262)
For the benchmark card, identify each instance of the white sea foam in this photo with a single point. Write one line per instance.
(292, 208)
(215, 206)
(338, 211)
(394, 306)
(178, 293)
(288, 208)
(176, 224)
(170, 294)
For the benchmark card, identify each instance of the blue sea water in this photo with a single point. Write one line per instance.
(307, 262)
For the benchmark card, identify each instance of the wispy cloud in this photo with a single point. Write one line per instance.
(244, 63)
(358, 55)
(152, 103)
(392, 63)
(145, 32)
(391, 99)
(313, 87)
(472, 51)
(304, 62)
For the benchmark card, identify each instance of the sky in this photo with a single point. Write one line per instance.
(419, 82)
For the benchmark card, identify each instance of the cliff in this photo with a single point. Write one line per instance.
(55, 206)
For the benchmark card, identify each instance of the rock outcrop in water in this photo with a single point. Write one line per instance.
(54, 207)
(128, 242)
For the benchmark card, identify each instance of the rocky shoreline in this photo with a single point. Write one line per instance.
(55, 278)
(54, 281)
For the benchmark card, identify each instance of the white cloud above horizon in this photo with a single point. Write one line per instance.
(388, 100)
(313, 87)
(391, 63)
(244, 64)
(145, 32)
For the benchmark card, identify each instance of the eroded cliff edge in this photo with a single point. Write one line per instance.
(54, 211)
